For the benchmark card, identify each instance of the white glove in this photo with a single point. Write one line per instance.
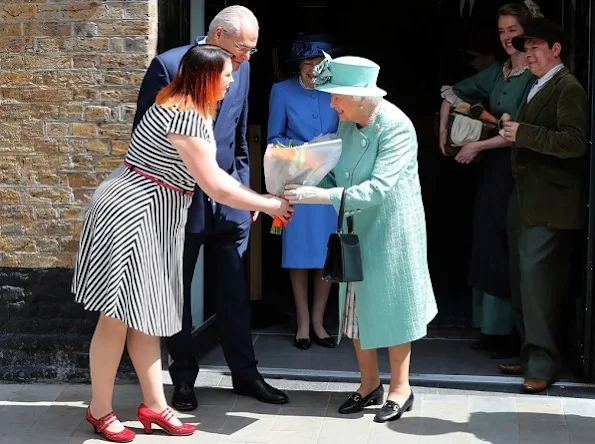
(299, 194)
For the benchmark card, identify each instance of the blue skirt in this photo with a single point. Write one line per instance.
(306, 236)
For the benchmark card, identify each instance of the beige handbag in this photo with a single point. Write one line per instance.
(468, 124)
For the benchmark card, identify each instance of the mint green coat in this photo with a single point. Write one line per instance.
(378, 167)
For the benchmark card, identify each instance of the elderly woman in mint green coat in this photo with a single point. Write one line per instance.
(394, 303)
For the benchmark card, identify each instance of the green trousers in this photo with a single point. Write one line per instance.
(539, 268)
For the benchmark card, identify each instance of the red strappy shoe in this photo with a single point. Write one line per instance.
(147, 417)
(100, 425)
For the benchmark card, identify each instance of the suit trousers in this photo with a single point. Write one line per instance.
(539, 270)
(226, 288)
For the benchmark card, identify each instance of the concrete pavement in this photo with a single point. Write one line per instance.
(53, 414)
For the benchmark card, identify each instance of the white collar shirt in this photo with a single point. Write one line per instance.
(540, 83)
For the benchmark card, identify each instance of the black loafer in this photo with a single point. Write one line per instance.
(327, 342)
(302, 343)
(357, 402)
(391, 411)
(184, 398)
(260, 390)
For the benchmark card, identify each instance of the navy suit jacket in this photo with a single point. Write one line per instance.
(230, 135)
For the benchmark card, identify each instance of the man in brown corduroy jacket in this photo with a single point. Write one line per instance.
(548, 201)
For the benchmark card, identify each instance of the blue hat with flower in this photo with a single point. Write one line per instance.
(309, 46)
(348, 75)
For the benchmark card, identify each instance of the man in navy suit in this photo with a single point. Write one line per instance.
(222, 230)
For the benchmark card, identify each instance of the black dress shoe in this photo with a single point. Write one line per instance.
(302, 343)
(357, 402)
(184, 398)
(260, 390)
(392, 411)
(327, 342)
(485, 342)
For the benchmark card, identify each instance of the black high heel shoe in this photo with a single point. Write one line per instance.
(302, 343)
(392, 411)
(327, 342)
(357, 402)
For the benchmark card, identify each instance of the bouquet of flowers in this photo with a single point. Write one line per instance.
(305, 164)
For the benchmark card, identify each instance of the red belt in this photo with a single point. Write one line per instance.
(157, 181)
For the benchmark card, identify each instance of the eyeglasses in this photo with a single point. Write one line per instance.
(244, 49)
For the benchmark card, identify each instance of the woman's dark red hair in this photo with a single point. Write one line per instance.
(196, 85)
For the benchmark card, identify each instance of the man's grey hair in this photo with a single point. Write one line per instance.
(232, 20)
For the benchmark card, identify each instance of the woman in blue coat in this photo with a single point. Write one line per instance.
(297, 114)
(394, 303)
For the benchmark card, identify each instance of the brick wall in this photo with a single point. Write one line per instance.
(69, 76)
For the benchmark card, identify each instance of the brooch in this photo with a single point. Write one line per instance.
(377, 127)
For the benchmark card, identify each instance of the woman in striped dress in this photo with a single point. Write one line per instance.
(129, 264)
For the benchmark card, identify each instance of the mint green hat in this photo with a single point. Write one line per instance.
(348, 76)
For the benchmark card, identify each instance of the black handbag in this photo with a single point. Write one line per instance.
(343, 257)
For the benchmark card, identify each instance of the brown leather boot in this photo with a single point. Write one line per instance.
(510, 369)
(535, 385)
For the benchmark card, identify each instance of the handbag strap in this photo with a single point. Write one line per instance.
(342, 215)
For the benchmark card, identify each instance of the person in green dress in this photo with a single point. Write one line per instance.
(501, 88)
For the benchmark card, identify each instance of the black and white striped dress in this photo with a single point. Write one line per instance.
(129, 263)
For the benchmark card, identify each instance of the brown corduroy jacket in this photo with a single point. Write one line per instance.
(549, 159)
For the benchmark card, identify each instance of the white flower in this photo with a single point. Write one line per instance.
(533, 9)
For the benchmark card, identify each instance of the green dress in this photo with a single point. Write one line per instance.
(489, 269)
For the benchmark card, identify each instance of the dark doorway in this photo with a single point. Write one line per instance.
(412, 47)
(174, 24)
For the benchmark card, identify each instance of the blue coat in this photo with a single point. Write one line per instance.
(230, 134)
(297, 114)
